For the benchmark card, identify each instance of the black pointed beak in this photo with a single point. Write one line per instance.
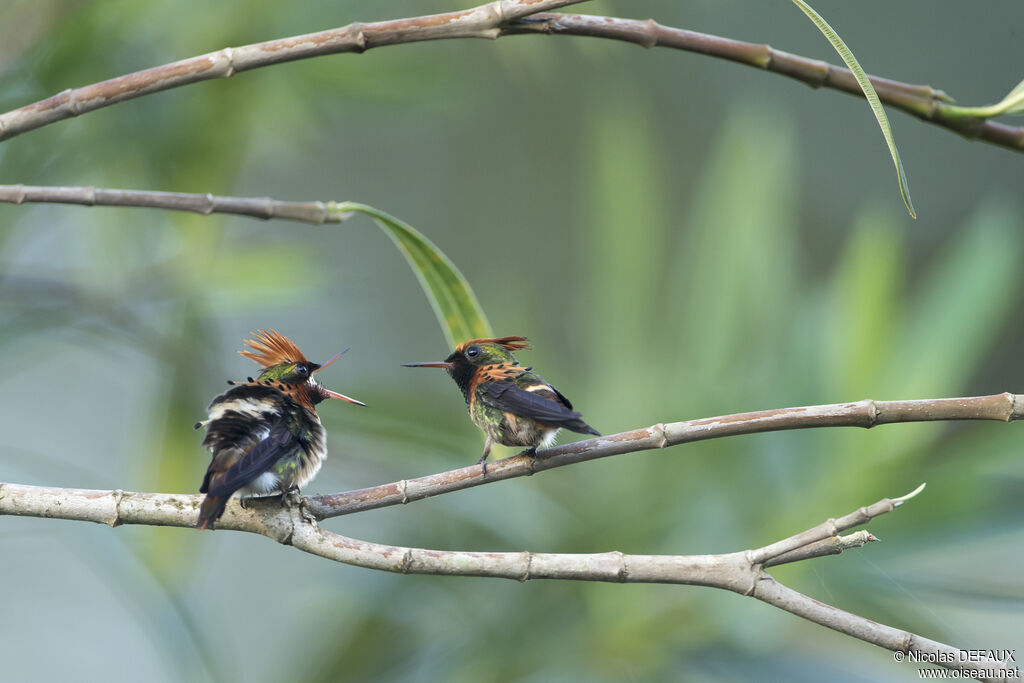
(430, 364)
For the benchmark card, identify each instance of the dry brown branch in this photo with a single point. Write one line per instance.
(493, 20)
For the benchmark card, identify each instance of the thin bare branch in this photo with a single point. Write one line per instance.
(921, 101)
(833, 545)
(1004, 407)
(740, 572)
(731, 571)
(206, 204)
(478, 22)
(774, 593)
(493, 20)
(827, 529)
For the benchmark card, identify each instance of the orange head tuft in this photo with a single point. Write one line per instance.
(272, 348)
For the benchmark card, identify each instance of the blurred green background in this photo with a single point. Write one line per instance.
(680, 237)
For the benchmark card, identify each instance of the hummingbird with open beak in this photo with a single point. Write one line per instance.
(264, 433)
(512, 405)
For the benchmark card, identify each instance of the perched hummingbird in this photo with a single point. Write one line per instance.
(265, 435)
(512, 405)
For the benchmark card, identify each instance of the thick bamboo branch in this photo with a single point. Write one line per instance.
(921, 101)
(1004, 407)
(496, 19)
(478, 22)
(740, 572)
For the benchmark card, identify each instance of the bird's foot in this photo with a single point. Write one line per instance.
(304, 511)
(292, 498)
(244, 502)
(532, 454)
(483, 463)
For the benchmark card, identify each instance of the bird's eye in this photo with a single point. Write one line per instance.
(472, 352)
(302, 370)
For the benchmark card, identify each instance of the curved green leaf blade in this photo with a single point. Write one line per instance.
(450, 295)
(1013, 103)
(869, 94)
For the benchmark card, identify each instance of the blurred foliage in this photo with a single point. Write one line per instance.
(674, 247)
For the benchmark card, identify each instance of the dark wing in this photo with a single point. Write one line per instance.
(243, 411)
(544, 405)
(560, 397)
(279, 442)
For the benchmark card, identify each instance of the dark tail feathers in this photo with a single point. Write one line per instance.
(210, 511)
(580, 427)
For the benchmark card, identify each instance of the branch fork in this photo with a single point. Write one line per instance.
(742, 572)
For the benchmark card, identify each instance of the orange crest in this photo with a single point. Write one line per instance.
(510, 343)
(271, 348)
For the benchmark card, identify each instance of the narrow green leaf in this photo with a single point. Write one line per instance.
(869, 94)
(1013, 103)
(449, 293)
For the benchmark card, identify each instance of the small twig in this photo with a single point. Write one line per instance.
(493, 20)
(811, 538)
(827, 546)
